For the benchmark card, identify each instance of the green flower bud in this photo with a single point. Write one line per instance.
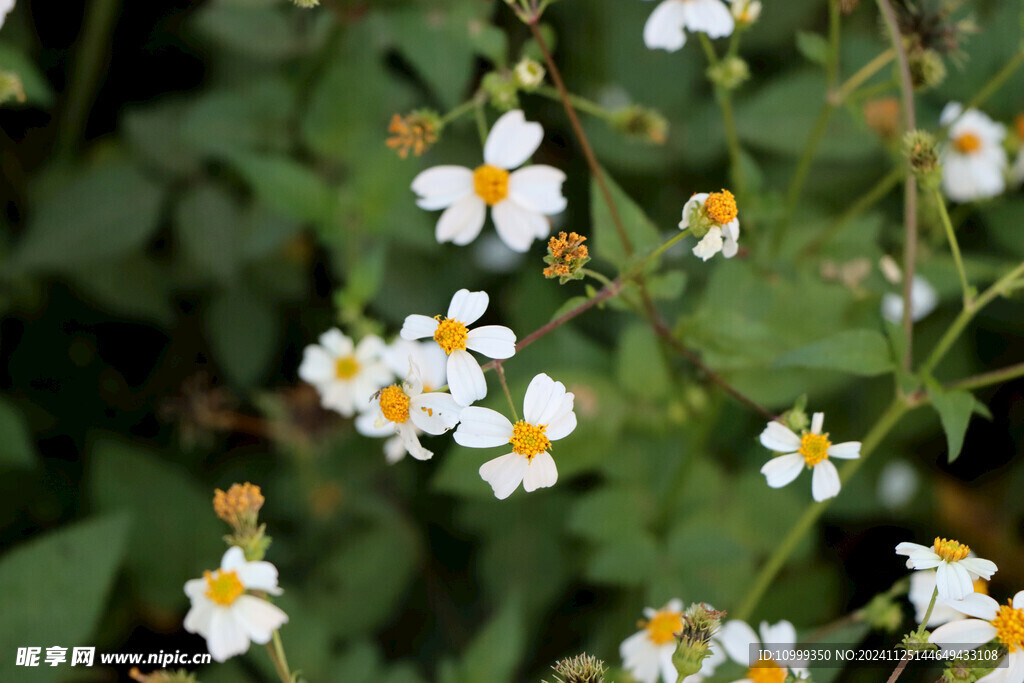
(528, 74)
(927, 70)
(639, 122)
(582, 668)
(729, 73)
(501, 89)
(921, 151)
(700, 623)
(307, 4)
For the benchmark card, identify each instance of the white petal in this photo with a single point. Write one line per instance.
(543, 399)
(441, 186)
(709, 245)
(953, 581)
(338, 396)
(512, 140)
(709, 16)
(538, 188)
(226, 637)
(394, 450)
(370, 348)
(781, 634)
(664, 28)
(434, 413)
(1018, 600)
(782, 470)
(824, 481)
(418, 326)
(493, 341)
(673, 605)
(669, 674)
(966, 634)
(467, 306)
(731, 233)
(817, 422)
(976, 605)
(540, 472)
(317, 366)
(411, 442)
(199, 615)
(260, 576)
(336, 343)
(983, 568)
(482, 428)
(258, 618)
(195, 589)
(504, 474)
(518, 227)
(950, 113)
(737, 637)
(233, 559)
(461, 222)
(848, 450)
(562, 427)
(465, 378)
(780, 438)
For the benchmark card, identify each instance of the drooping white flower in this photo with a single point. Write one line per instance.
(737, 637)
(519, 200)
(955, 567)
(923, 300)
(712, 218)
(547, 416)
(922, 586)
(345, 374)
(974, 161)
(405, 411)
(465, 378)
(812, 449)
(647, 654)
(1002, 623)
(667, 26)
(222, 611)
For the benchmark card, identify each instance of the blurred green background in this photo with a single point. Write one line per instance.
(193, 191)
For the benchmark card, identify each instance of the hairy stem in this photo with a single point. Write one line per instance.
(954, 247)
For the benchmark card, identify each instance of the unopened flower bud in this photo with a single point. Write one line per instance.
(883, 613)
(700, 623)
(796, 417)
(746, 12)
(306, 4)
(922, 154)
(639, 122)
(566, 257)
(501, 89)
(729, 73)
(240, 507)
(414, 132)
(10, 87)
(528, 74)
(582, 668)
(927, 70)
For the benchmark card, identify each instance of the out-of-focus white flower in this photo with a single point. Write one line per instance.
(222, 611)
(429, 359)
(712, 218)
(5, 8)
(974, 161)
(737, 637)
(1002, 623)
(956, 568)
(812, 449)
(897, 484)
(667, 26)
(923, 300)
(519, 200)
(745, 11)
(345, 374)
(922, 586)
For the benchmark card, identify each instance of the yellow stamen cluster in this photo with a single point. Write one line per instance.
(223, 587)
(721, 207)
(967, 143)
(490, 183)
(529, 439)
(663, 627)
(413, 133)
(451, 334)
(394, 403)
(346, 368)
(814, 448)
(239, 505)
(1009, 625)
(566, 255)
(767, 671)
(980, 586)
(950, 550)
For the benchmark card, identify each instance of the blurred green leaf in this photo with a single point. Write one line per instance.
(955, 409)
(812, 46)
(859, 352)
(16, 447)
(609, 513)
(154, 133)
(639, 229)
(133, 285)
(289, 187)
(208, 222)
(243, 334)
(38, 92)
(640, 363)
(268, 32)
(493, 655)
(624, 561)
(228, 120)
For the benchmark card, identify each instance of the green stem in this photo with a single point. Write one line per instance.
(460, 110)
(866, 201)
(581, 103)
(504, 385)
(724, 99)
(862, 75)
(481, 121)
(988, 378)
(803, 166)
(709, 49)
(995, 82)
(785, 548)
(277, 656)
(871, 91)
(928, 613)
(954, 246)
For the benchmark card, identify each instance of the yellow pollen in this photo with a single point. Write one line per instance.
(223, 587)
(451, 335)
(490, 183)
(241, 502)
(394, 403)
(528, 439)
(1009, 625)
(721, 207)
(767, 671)
(663, 627)
(950, 550)
(981, 586)
(968, 143)
(814, 448)
(346, 368)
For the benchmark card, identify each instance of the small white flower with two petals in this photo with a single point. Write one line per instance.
(667, 26)
(547, 416)
(520, 200)
(737, 637)
(955, 567)
(345, 374)
(813, 450)
(222, 611)
(1003, 624)
(974, 161)
(465, 378)
(712, 218)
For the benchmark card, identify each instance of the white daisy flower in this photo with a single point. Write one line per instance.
(345, 374)
(745, 11)
(737, 637)
(667, 26)
(923, 300)
(519, 200)
(465, 378)
(647, 654)
(224, 614)
(922, 587)
(974, 161)
(406, 411)
(1002, 623)
(712, 220)
(547, 417)
(955, 567)
(812, 449)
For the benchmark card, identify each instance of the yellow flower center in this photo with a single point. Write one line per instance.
(767, 671)
(223, 587)
(721, 207)
(814, 448)
(968, 143)
(394, 403)
(981, 586)
(346, 368)
(528, 439)
(451, 334)
(490, 183)
(663, 627)
(950, 550)
(1009, 625)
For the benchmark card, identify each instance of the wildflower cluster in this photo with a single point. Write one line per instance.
(566, 257)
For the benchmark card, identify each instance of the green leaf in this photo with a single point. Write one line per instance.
(243, 333)
(625, 561)
(250, 118)
(16, 449)
(609, 513)
(208, 221)
(639, 229)
(132, 285)
(859, 352)
(273, 32)
(154, 134)
(289, 187)
(55, 587)
(493, 655)
(640, 364)
(812, 46)
(955, 409)
(103, 212)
